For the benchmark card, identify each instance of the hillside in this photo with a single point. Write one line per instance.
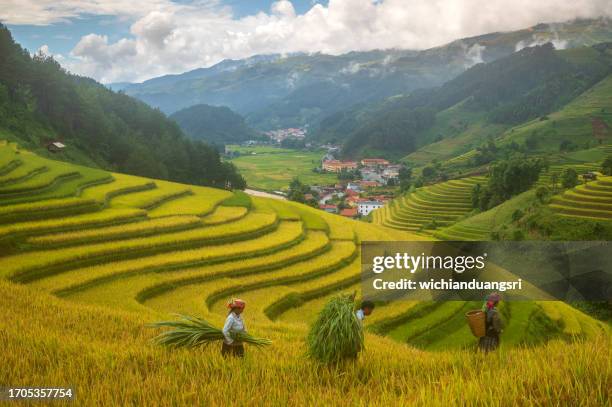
(213, 124)
(290, 91)
(482, 102)
(141, 244)
(122, 251)
(40, 103)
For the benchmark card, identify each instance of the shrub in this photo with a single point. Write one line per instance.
(517, 215)
(542, 193)
(569, 178)
(606, 167)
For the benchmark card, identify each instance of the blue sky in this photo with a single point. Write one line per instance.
(134, 40)
(62, 37)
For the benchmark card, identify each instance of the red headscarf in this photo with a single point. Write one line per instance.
(492, 300)
(236, 303)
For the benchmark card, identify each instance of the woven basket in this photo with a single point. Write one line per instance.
(476, 321)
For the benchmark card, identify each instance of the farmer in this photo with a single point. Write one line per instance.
(233, 324)
(366, 309)
(493, 324)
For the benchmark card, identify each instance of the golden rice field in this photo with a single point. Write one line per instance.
(87, 262)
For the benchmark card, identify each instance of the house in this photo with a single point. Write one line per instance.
(589, 176)
(369, 184)
(337, 166)
(324, 198)
(349, 212)
(354, 200)
(366, 207)
(374, 162)
(329, 208)
(328, 157)
(372, 176)
(55, 146)
(391, 172)
(353, 186)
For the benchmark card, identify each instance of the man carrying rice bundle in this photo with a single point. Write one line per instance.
(365, 310)
(233, 324)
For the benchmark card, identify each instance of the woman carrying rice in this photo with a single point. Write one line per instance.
(493, 324)
(233, 324)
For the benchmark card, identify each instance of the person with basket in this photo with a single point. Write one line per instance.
(233, 323)
(493, 324)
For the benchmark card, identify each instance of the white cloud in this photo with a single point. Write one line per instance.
(44, 12)
(169, 37)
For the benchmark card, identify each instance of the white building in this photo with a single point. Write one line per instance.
(366, 207)
(353, 187)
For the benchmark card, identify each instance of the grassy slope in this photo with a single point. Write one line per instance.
(463, 131)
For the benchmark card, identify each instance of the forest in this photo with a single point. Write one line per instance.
(40, 102)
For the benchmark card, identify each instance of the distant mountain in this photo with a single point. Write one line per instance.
(117, 86)
(274, 91)
(40, 102)
(214, 124)
(515, 89)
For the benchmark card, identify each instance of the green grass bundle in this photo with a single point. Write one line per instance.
(336, 335)
(191, 332)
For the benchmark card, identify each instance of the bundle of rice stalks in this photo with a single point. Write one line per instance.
(336, 335)
(191, 332)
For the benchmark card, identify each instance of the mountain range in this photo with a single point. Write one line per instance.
(278, 91)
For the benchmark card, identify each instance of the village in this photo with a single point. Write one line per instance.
(363, 186)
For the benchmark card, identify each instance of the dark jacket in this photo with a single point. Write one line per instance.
(493, 322)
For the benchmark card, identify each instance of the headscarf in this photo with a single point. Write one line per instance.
(492, 300)
(236, 303)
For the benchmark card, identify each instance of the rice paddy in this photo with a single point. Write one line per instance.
(591, 200)
(122, 252)
(431, 207)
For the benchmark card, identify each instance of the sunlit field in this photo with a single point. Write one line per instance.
(89, 261)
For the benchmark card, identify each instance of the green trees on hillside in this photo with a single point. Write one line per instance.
(523, 86)
(213, 124)
(569, 178)
(506, 179)
(606, 167)
(40, 102)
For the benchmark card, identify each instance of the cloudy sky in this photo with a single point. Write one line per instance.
(133, 40)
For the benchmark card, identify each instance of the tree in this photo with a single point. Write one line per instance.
(542, 193)
(554, 180)
(476, 195)
(405, 178)
(606, 167)
(569, 178)
(506, 179)
(428, 172)
(40, 101)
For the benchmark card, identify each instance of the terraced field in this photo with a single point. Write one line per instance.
(592, 200)
(156, 247)
(430, 207)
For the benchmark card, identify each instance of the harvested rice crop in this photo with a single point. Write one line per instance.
(192, 332)
(336, 335)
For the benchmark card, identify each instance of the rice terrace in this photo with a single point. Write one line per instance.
(125, 251)
(188, 194)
